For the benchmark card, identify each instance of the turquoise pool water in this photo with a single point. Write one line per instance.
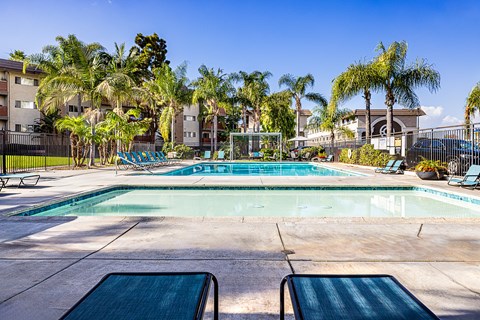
(286, 202)
(257, 169)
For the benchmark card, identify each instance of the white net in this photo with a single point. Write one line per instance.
(256, 146)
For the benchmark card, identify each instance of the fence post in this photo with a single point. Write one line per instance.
(45, 143)
(472, 143)
(4, 151)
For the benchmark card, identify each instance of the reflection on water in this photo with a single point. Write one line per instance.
(287, 203)
(257, 169)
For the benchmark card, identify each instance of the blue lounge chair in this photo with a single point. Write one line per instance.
(348, 297)
(387, 167)
(153, 155)
(162, 157)
(137, 164)
(395, 168)
(140, 159)
(23, 177)
(221, 155)
(207, 155)
(470, 179)
(122, 296)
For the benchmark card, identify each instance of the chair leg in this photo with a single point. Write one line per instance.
(282, 299)
(215, 298)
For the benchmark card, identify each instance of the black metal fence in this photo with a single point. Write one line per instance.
(21, 151)
(457, 146)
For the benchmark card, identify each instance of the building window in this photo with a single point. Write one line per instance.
(18, 128)
(187, 134)
(206, 135)
(25, 104)
(26, 81)
(72, 108)
(189, 118)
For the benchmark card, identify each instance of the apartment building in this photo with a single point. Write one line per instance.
(18, 111)
(404, 120)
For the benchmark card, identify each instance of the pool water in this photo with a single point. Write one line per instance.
(257, 169)
(266, 203)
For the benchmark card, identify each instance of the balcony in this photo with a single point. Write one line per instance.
(3, 87)
(3, 112)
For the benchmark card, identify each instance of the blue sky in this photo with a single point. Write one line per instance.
(297, 37)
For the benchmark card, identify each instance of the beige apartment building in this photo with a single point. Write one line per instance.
(18, 111)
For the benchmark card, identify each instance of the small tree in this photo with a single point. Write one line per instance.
(473, 104)
(80, 136)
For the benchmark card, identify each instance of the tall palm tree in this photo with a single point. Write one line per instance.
(252, 93)
(119, 83)
(215, 89)
(79, 136)
(327, 118)
(399, 80)
(359, 78)
(297, 86)
(473, 104)
(170, 88)
(80, 76)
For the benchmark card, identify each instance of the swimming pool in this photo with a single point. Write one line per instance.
(258, 169)
(328, 201)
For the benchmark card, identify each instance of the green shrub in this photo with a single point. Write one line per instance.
(226, 147)
(168, 147)
(312, 152)
(183, 151)
(366, 156)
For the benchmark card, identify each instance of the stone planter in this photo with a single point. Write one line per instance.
(430, 175)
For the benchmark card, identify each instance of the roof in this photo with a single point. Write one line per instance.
(16, 66)
(396, 112)
(305, 112)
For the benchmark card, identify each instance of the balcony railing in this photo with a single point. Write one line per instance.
(3, 111)
(3, 85)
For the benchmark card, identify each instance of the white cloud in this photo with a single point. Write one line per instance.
(451, 120)
(435, 117)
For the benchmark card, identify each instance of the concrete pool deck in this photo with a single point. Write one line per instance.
(48, 263)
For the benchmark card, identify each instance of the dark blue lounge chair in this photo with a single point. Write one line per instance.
(351, 297)
(172, 296)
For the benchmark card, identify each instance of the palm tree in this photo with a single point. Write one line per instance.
(215, 89)
(79, 76)
(170, 88)
(119, 84)
(297, 88)
(79, 136)
(359, 78)
(473, 104)
(253, 92)
(327, 118)
(400, 80)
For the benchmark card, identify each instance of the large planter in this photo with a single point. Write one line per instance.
(430, 175)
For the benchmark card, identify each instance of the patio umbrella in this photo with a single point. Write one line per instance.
(298, 138)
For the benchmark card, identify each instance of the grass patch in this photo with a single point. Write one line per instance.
(34, 162)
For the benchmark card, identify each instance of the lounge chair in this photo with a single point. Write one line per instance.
(128, 158)
(470, 179)
(372, 297)
(329, 158)
(221, 155)
(140, 159)
(387, 167)
(293, 155)
(4, 178)
(207, 155)
(395, 168)
(157, 158)
(123, 296)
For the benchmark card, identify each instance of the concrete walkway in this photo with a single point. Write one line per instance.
(48, 263)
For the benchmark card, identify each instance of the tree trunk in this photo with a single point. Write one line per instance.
(368, 130)
(215, 132)
(257, 120)
(211, 136)
(332, 141)
(91, 161)
(298, 106)
(389, 101)
(172, 129)
(244, 118)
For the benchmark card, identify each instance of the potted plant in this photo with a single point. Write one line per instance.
(431, 169)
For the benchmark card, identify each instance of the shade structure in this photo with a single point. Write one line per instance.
(299, 138)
